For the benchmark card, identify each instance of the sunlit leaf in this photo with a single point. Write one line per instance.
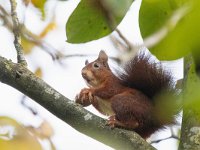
(14, 136)
(183, 38)
(40, 4)
(94, 19)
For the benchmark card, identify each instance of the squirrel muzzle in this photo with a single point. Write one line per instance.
(88, 77)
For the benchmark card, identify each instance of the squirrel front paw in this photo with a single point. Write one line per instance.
(85, 97)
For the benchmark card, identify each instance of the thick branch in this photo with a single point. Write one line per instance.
(73, 114)
(16, 31)
(190, 129)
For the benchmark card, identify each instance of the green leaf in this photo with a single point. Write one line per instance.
(94, 19)
(181, 39)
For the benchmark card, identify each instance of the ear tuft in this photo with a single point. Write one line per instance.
(86, 62)
(103, 56)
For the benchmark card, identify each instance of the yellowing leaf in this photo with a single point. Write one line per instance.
(40, 5)
(49, 27)
(14, 136)
(27, 45)
(38, 72)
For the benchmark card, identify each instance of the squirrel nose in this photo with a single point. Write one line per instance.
(84, 73)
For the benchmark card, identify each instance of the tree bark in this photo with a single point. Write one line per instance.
(20, 78)
(190, 129)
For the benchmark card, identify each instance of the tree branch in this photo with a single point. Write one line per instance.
(16, 31)
(190, 129)
(73, 114)
(130, 46)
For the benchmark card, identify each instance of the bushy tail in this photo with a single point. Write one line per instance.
(146, 75)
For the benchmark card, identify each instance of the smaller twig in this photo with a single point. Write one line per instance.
(118, 44)
(5, 18)
(170, 137)
(16, 31)
(129, 44)
(23, 102)
(173, 136)
(39, 42)
(3, 11)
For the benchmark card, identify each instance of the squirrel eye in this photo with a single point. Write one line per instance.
(96, 65)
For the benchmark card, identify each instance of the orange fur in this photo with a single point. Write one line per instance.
(129, 97)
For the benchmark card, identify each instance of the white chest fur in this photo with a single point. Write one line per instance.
(105, 106)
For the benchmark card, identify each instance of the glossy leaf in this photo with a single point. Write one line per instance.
(181, 39)
(94, 19)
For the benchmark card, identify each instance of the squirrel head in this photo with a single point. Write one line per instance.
(96, 72)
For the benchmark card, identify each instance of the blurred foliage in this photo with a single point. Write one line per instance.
(94, 19)
(14, 136)
(44, 131)
(155, 13)
(40, 4)
(183, 37)
(28, 44)
(172, 102)
(50, 26)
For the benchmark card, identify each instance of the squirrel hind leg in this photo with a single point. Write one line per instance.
(114, 122)
(123, 106)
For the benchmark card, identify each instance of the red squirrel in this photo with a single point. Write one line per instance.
(128, 97)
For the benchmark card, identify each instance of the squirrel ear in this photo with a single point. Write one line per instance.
(86, 62)
(103, 56)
